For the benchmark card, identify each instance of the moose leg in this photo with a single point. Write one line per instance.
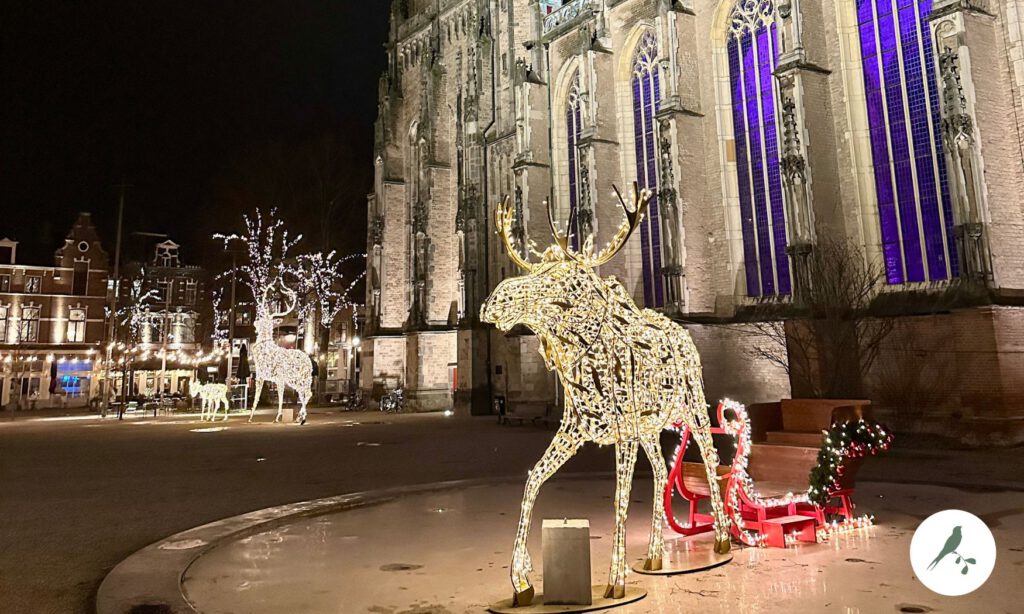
(256, 399)
(304, 398)
(625, 462)
(652, 449)
(561, 449)
(700, 426)
(280, 401)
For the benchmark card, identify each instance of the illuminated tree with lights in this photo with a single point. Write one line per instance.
(308, 285)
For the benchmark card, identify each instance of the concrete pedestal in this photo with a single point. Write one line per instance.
(567, 562)
(288, 415)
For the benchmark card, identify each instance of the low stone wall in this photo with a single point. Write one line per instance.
(958, 374)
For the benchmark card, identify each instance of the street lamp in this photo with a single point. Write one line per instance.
(353, 376)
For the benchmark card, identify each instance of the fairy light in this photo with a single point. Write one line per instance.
(843, 441)
(627, 373)
(268, 248)
(212, 396)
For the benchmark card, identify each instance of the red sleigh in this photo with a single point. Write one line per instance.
(766, 488)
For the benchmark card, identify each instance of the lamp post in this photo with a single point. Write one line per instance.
(354, 368)
(111, 330)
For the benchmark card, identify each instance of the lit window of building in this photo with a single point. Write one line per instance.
(646, 88)
(29, 325)
(33, 284)
(76, 325)
(753, 58)
(190, 291)
(574, 128)
(914, 207)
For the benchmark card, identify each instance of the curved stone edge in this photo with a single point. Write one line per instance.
(153, 575)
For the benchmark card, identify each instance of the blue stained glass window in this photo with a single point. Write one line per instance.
(914, 206)
(646, 88)
(574, 127)
(753, 56)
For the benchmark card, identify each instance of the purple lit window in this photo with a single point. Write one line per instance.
(914, 207)
(646, 89)
(753, 56)
(574, 127)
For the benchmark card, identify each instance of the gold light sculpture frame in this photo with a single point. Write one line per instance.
(628, 374)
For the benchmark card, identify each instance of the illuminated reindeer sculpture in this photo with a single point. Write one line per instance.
(213, 396)
(628, 374)
(274, 363)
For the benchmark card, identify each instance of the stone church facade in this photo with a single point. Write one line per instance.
(764, 127)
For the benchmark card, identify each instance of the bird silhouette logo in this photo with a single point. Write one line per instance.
(950, 547)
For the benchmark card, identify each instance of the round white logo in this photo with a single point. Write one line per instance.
(953, 553)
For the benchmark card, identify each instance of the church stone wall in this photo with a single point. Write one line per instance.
(473, 111)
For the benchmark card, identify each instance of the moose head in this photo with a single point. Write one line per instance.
(561, 297)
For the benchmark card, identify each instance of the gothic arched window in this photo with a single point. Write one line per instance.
(646, 87)
(574, 128)
(914, 208)
(753, 43)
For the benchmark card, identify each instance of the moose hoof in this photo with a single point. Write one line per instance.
(615, 591)
(521, 599)
(653, 564)
(302, 420)
(722, 546)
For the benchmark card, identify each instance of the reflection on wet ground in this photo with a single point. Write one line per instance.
(449, 551)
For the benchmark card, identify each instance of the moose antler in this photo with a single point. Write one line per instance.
(562, 241)
(265, 303)
(288, 292)
(503, 221)
(641, 200)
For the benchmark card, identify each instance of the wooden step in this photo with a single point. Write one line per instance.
(775, 530)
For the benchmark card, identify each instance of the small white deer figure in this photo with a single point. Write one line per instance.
(213, 396)
(292, 368)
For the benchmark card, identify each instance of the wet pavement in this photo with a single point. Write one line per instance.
(448, 552)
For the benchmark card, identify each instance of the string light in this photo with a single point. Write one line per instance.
(628, 374)
(843, 441)
(267, 247)
(212, 396)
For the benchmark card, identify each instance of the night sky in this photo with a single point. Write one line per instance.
(191, 102)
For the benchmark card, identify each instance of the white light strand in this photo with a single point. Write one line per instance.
(212, 396)
(628, 374)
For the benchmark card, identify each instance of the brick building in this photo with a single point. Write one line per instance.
(52, 321)
(764, 127)
(174, 311)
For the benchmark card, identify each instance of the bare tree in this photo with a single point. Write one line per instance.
(827, 339)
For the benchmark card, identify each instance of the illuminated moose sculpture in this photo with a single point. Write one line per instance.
(274, 363)
(628, 374)
(213, 396)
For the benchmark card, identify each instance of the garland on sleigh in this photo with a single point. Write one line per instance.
(853, 439)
